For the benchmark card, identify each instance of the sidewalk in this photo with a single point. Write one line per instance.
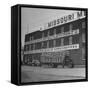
(80, 72)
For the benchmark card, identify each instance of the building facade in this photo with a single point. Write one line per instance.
(62, 36)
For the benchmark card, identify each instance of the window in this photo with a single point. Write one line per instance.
(75, 25)
(37, 35)
(27, 38)
(38, 45)
(54, 42)
(70, 27)
(44, 44)
(30, 57)
(26, 48)
(51, 31)
(54, 31)
(62, 41)
(31, 46)
(75, 39)
(58, 42)
(51, 44)
(31, 38)
(62, 29)
(25, 58)
(66, 40)
(83, 53)
(45, 33)
(70, 40)
(58, 30)
(83, 37)
(66, 28)
(83, 24)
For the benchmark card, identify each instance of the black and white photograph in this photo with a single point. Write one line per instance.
(53, 44)
(44, 45)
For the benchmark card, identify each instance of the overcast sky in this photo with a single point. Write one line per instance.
(34, 18)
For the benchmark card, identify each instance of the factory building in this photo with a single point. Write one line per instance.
(66, 35)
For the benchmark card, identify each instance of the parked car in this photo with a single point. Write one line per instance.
(35, 63)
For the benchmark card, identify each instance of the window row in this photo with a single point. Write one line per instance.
(56, 30)
(53, 43)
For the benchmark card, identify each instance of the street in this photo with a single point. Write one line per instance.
(36, 74)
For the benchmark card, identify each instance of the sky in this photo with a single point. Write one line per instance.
(34, 18)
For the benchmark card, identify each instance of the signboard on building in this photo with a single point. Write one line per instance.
(55, 49)
(65, 19)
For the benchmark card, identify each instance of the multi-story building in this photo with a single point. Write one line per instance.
(64, 35)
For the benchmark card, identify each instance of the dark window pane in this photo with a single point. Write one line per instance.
(62, 41)
(45, 33)
(27, 38)
(58, 30)
(38, 45)
(75, 39)
(83, 37)
(70, 26)
(44, 44)
(66, 40)
(70, 40)
(83, 24)
(83, 52)
(62, 29)
(66, 28)
(38, 35)
(58, 42)
(51, 44)
(51, 31)
(31, 46)
(75, 25)
(26, 48)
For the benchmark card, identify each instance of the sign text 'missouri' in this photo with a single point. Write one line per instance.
(66, 19)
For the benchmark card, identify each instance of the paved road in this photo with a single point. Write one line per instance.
(34, 74)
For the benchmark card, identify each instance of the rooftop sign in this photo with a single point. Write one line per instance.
(66, 19)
